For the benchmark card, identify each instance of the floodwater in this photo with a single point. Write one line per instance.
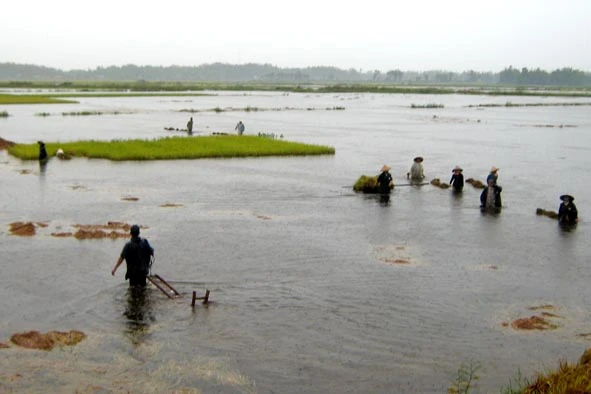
(314, 289)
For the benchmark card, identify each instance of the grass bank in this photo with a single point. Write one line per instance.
(173, 148)
(32, 99)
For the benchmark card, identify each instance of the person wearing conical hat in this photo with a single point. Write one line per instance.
(567, 212)
(416, 172)
(385, 182)
(493, 174)
(457, 179)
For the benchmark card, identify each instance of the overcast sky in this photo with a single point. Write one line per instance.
(454, 35)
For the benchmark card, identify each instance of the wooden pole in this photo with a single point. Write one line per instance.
(194, 298)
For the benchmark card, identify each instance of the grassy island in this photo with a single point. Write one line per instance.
(6, 99)
(173, 148)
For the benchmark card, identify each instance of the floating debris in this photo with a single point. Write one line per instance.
(36, 340)
(476, 183)
(23, 229)
(550, 214)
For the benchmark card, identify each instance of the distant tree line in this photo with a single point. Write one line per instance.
(251, 72)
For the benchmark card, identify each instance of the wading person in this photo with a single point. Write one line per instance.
(567, 212)
(190, 126)
(493, 174)
(385, 183)
(416, 173)
(137, 253)
(490, 198)
(457, 179)
(240, 128)
(42, 152)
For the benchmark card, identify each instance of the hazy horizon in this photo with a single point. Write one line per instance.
(376, 35)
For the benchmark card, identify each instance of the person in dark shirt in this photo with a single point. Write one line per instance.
(137, 253)
(490, 198)
(385, 180)
(42, 151)
(567, 212)
(457, 179)
(190, 126)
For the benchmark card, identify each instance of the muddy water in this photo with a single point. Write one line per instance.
(314, 289)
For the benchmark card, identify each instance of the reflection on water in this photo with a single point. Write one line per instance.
(139, 314)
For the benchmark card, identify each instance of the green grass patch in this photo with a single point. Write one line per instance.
(510, 104)
(256, 109)
(173, 148)
(32, 99)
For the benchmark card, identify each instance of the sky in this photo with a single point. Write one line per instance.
(416, 35)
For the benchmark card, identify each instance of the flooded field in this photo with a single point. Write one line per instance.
(314, 288)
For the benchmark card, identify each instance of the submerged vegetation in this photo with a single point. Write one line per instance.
(432, 105)
(257, 109)
(84, 113)
(510, 104)
(172, 148)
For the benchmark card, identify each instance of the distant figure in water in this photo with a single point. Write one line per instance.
(385, 183)
(190, 126)
(567, 212)
(42, 152)
(416, 173)
(490, 198)
(457, 179)
(240, 128)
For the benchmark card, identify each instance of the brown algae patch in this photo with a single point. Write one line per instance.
(112, 230)
(532, 323)
(393, 254)
(543, 306)
(129, 198)
(170, 205)
(263, 217)
(23, 229)
(36, 340)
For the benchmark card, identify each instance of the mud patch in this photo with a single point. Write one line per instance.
(23, 229)
(36, 340)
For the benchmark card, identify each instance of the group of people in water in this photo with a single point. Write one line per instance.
(490, 198)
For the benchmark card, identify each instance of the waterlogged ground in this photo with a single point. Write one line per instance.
(314, 289)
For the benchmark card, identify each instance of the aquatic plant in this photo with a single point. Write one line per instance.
(432, 105)
(172, 148)
(4, 114)
(42, 114)
(550, 214)
(368, 184)
(465, 378)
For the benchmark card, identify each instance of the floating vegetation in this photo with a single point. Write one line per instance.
(36, 340)
(550, 214)
(533, 323)
(438, 183)
(129, 198)
(172, 148)
(4, 114)
(23, 229)
(560, 126)
(171, 205)
(510, 104)
(431, 105)
(42, 114)
(476, 183)
(257, 109)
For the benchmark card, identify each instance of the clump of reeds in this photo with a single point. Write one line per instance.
(4, 114)
(568, 378)
(368, 184)
(476, 183)
(550, 214)
(42, 114)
